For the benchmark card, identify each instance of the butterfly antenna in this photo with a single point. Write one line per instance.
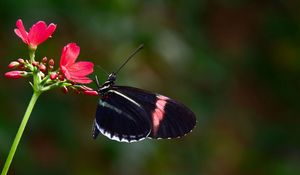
(101, 68)
(129, 57)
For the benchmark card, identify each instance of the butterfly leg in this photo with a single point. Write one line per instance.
(95, 131)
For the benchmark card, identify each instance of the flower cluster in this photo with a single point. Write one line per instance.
(69, 75)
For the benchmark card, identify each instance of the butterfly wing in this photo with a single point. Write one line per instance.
(169, 118)
(121, 118)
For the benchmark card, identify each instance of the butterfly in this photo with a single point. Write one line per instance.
(129, 114)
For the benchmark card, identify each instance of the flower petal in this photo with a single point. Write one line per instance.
(21, 32)
(78, 72)
(51, 28)
(39, 32)
(69, 55)
(82, 80)
(81, 69)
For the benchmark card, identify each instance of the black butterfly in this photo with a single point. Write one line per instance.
(129, 114)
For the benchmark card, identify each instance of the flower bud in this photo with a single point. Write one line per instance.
(13, 64)
(91, 93)
(15, 74)
(42, 67)
(85, 88)
(21, 61)
(22, 67)
(53, 75)
(76, 91)
(44, 60)
(61, 77)
(65, 89)
(51, 62)
(35, 63)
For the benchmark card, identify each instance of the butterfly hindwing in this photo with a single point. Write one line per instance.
(169, 118)
(121, 118)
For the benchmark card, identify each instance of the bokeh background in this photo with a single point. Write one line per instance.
(236, 64)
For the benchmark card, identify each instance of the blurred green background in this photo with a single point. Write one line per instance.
(236, 64)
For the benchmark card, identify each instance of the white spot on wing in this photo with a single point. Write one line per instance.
(124, 96)
(107, 105)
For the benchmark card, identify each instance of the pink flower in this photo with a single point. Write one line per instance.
(15, 74)
(38, 33)
(76, 72)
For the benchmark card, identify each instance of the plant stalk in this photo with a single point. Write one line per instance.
(20, 132)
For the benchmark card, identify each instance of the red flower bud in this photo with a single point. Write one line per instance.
(76, 91)
(91, 93)
(53, 75)
(85, 88)
(65, 89)
(35, 63)
(22, 67)
(13, 64)
(42, 67)
(15, 74)
(51, 62)
(21, 61)
(44, 60)
(61, 77)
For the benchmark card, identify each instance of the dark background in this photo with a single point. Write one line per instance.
(234, 63)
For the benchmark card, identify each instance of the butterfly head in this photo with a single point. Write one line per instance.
(107, 84)
(112, 77)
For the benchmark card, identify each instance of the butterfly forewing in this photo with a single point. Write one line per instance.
(121, 118)
(169, 118)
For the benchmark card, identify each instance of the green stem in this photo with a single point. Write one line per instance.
(20, 132)
(31, 54)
